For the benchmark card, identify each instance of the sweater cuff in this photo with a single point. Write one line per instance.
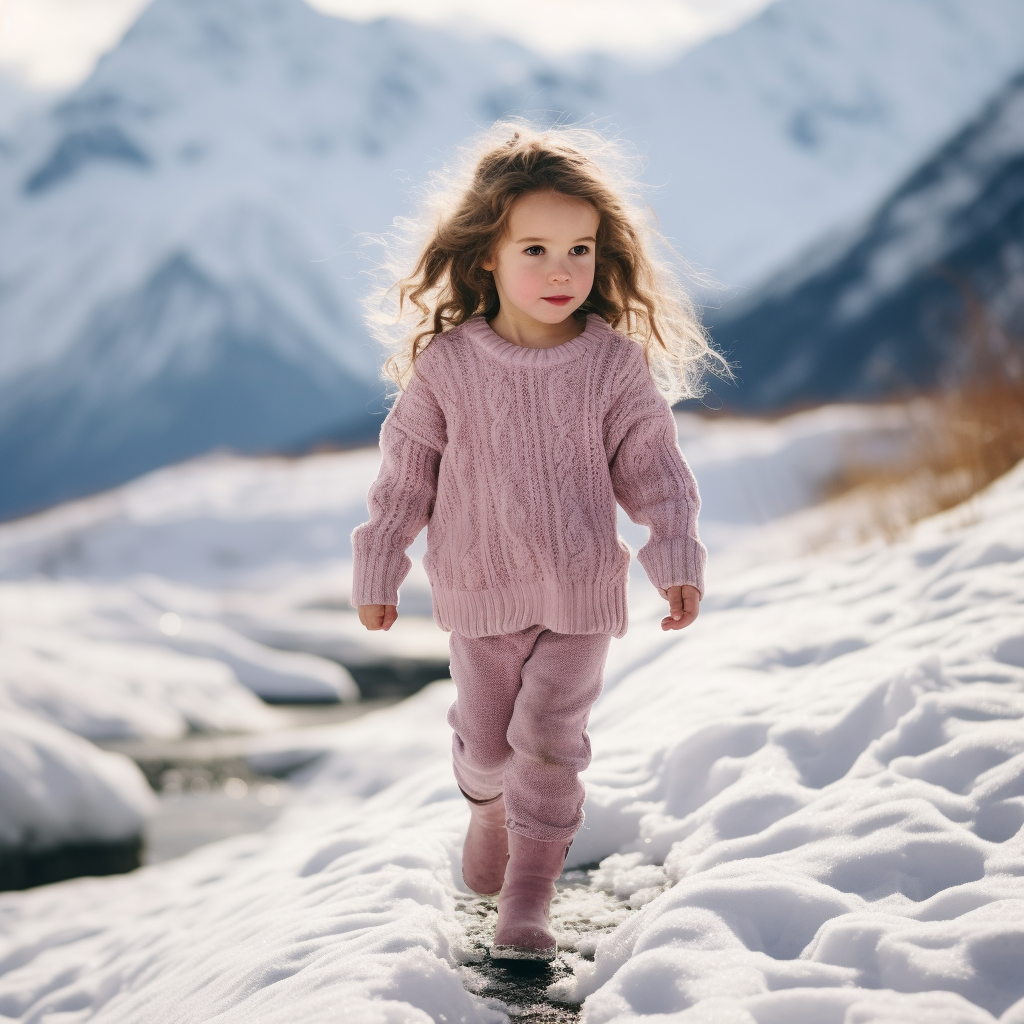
(674, 563)
(377, 577)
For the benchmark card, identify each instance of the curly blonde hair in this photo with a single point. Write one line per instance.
(466, 214)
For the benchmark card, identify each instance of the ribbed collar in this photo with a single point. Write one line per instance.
(508, 352)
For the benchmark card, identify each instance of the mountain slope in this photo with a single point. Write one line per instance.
(182, 255)
(885, 310)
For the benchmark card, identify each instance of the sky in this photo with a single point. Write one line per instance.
(54, 44)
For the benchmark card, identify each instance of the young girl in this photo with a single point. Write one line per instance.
(546, 346)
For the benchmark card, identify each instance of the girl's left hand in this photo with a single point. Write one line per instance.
(684, 606)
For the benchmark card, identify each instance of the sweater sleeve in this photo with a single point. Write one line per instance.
(400, 501)
(652, 481)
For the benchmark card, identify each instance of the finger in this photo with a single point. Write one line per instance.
(690, 601)
(675, 602)
(390, 614)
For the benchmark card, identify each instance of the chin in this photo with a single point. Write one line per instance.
(554, 314)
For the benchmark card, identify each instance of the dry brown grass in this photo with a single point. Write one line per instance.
(966, 437)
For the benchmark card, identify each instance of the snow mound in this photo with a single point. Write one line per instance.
(193, 580)
(219, 522)
(106, 690)
(258, 545)
(56, 788)
(348, 917)
(189, 579)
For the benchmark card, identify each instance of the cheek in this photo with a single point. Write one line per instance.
(527, 277)
(585, 275)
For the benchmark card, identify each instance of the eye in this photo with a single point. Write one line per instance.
(580, 250)
(534, 250)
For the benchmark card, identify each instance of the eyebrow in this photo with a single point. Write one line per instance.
(585, 238)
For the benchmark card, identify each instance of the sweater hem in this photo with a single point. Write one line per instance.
(588, 607)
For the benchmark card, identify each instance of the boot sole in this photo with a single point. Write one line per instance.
(523, 953)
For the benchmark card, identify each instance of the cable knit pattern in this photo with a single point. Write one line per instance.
(514, 458)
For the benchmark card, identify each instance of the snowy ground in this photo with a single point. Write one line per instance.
(806, 809)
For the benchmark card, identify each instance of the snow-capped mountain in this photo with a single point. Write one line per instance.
(181, 257)
(886, 308)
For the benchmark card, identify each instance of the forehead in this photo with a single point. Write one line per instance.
(552, 211)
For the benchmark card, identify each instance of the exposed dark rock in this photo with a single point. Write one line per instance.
(24, 869)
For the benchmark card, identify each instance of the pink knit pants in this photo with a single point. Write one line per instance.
(520, 723)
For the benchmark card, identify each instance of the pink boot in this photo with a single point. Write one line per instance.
(524, 906)
(485, 851)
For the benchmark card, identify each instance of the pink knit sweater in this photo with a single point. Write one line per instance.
(514, 458)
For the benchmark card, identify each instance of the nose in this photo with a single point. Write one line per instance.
(560, 272)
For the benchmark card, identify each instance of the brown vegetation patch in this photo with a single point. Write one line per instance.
(966, 435)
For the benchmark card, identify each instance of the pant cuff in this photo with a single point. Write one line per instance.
(544, 833)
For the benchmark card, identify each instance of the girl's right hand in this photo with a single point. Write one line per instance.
(378, 616)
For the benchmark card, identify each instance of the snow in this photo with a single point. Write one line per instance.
(208, 559)
(98, 660)
(388, 746)
(56, 788)
(807, 807)
(840, 809)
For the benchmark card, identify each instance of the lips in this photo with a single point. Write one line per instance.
(557, 300)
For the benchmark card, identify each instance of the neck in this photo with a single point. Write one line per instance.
(530, 333)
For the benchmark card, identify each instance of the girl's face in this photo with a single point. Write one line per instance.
(544, 268)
